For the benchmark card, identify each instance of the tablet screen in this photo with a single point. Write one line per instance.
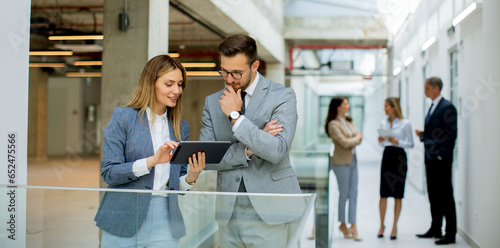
(214, 151)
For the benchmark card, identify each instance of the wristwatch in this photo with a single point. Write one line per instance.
(234, 115)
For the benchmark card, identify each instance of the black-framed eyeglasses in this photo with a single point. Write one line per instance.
(235, 75)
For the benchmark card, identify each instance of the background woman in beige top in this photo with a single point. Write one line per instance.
(345, 137)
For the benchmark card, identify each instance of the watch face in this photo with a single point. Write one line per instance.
(234, 114)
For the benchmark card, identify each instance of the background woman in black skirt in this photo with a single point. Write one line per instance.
(394, 161)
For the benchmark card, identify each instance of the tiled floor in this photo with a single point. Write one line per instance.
(84, 172)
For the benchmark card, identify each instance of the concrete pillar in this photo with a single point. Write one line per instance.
(197, 89)
(276, 72)
(158, 27)
(126, 52)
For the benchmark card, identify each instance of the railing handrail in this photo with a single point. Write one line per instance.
(308, 151)
(154, 191)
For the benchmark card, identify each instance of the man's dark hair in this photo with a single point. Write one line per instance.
(435, 81)
(239, 43)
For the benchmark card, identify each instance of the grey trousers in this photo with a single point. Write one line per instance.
(154, 232)
(246, 229)
(347, 179)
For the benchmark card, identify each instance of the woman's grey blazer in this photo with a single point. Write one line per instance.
(127, 138)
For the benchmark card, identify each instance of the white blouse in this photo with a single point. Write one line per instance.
(159, 134)
(401, 129)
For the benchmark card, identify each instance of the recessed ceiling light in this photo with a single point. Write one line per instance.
(198, 64)
(202, 73)
(51, 53)
(46, 64)
(83, 74)
(83, 63)
(76, 37)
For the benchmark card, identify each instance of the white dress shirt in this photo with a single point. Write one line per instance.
(249, 92)
(248, 96)
(343, 120)
(401, 129)
(159, 134)
(435, 102)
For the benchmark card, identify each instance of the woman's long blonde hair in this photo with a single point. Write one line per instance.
(394, 102)
(145, 94)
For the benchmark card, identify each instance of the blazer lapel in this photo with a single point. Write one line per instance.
(352, 127)
(436, 110)
(174, 170)
(221, 125)
(345, 131)
(148, 141)
(257, 98)
(171, 131)
(144, 129)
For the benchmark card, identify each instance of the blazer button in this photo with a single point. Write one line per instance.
(237, 179)
(130, 179)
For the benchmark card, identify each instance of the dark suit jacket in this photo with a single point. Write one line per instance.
(440, 132)
(127, 138)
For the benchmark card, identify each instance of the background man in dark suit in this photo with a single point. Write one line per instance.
(439, 137)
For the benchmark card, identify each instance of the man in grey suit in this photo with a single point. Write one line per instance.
(258, 159)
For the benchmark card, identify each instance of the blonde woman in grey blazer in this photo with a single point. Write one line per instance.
(138, 141)
(345, 137)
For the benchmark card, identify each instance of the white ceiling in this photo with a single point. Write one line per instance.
(330, 8)
(394, 12)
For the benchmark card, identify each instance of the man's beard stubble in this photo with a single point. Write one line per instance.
(242, 86)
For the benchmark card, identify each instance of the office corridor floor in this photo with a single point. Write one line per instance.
(415, 215)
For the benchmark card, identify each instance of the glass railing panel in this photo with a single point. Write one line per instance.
(311, 165)
(313, 172)
(64, 216)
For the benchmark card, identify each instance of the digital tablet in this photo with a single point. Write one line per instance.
(214, 151)
(385, 133)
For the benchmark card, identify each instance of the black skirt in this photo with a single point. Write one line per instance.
(393, 172)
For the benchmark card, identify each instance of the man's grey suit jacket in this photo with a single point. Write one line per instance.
(127, 138)
(269, 170)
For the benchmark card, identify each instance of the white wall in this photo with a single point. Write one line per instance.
(478, 124)
(476, 165)
(64, 116)
(14, 58)
(307, 107)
